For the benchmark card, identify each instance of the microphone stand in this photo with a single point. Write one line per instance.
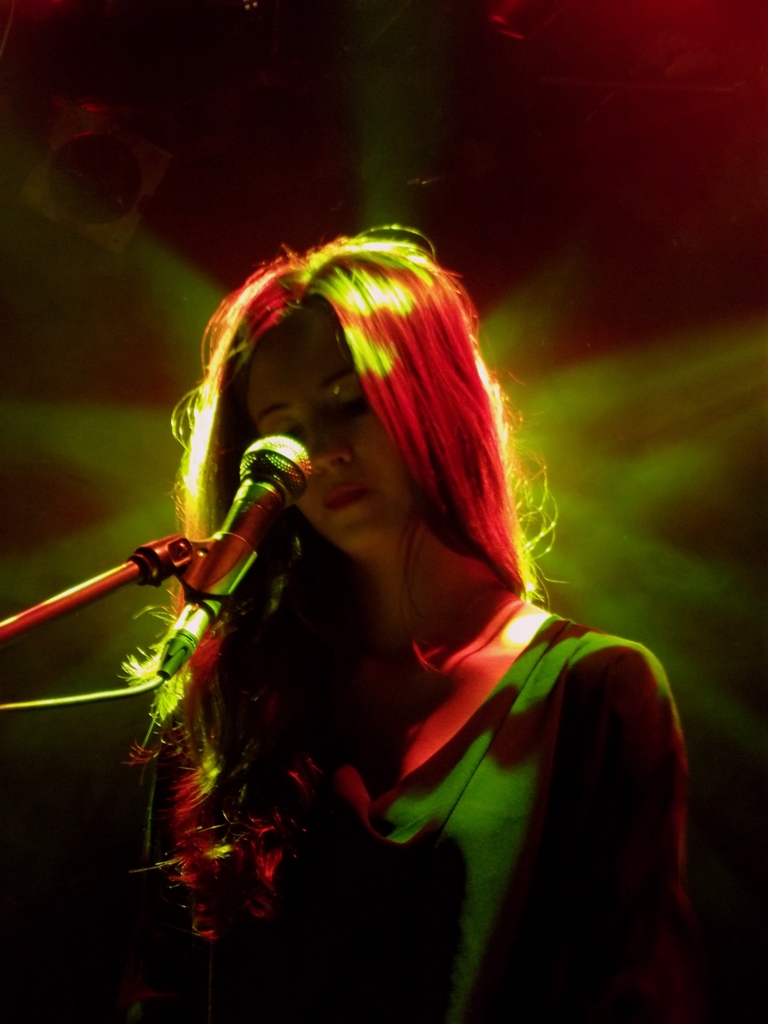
(150, 564)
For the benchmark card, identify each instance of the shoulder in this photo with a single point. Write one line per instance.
(602, 666)
(615, 693)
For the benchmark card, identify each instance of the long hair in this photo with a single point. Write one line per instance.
(245, 722)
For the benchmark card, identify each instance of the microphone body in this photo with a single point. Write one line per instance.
(220, 564)
(273, 474)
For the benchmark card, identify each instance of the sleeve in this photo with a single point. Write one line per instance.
(646, 969)
(608, 935)
(166, 978)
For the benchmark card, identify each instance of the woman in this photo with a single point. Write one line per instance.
(390, 787)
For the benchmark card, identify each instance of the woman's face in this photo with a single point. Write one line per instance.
(302, 383)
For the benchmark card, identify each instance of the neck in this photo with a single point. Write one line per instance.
(425, 598)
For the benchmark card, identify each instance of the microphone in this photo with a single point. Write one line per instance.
(273, 474)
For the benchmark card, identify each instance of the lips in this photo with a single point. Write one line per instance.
(344, 494)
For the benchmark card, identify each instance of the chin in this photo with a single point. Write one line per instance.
(365, 541)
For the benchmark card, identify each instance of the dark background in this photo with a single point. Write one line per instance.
(595, 171)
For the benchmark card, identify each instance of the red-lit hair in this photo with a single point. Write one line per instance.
(412, 332)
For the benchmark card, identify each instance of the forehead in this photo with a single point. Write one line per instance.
(301, 352)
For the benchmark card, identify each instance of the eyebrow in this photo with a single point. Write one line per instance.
(325, 383)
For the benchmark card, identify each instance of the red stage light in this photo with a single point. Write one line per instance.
(520, 19)
(501, 16)
(37, 9)
(96, 176)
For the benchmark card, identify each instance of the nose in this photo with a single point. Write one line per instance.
(329, 447)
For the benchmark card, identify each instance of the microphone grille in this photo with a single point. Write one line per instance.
(282, 461)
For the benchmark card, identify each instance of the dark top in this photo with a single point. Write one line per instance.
(528, 872)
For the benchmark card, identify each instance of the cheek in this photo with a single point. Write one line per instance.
(375, 447)
(390, 470)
